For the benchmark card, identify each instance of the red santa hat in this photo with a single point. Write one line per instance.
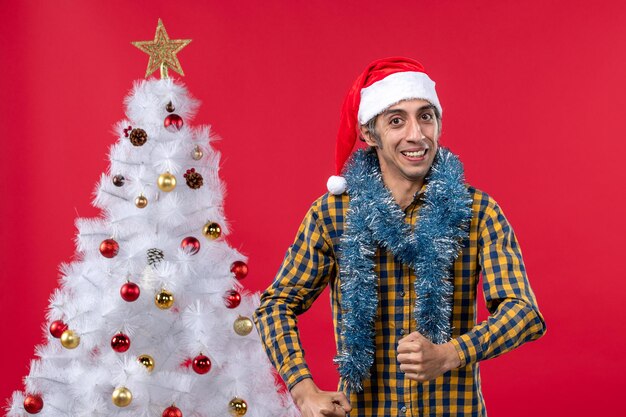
(384, 83)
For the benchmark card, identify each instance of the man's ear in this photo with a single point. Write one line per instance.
(366, 136)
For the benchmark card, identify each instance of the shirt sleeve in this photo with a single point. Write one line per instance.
(514, 316)
(306, 270)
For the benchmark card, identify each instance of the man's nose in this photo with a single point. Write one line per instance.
(415, 131)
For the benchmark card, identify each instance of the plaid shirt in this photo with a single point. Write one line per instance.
(311, 263)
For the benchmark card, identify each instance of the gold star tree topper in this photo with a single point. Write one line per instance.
(162, 51)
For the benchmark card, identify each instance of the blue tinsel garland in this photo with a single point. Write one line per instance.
(375, 219)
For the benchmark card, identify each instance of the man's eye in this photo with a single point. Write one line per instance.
(427, 116)
(395, 121)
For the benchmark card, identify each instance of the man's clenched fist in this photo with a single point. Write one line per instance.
(422, 360)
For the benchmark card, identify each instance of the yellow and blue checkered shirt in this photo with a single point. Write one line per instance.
(310, 265)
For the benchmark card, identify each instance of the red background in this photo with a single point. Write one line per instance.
(533, 97)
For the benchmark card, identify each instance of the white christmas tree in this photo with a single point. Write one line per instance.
(152, 320)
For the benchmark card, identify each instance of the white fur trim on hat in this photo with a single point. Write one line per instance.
(336, 185)
(393, 89)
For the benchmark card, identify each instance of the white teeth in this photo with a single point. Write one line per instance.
(415, 154)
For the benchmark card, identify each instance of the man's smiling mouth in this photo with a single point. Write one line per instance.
(415, 154)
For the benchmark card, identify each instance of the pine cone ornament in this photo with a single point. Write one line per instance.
(155, 256)
(138, 137)
(193, 178)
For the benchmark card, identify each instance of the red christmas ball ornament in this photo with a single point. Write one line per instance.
(130, 292)
(232, 299)
(33, 403)
(173, 122)
(240, 269)
(109, 248)
(57, 328)
(120, 343)
(172, 411)
(201, 364)
(191, 244)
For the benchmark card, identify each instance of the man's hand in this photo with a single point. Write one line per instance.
(422, 360)
(314, 402)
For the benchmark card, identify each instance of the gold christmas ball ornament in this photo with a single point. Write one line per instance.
(141, 201)
(164, 299)
(147, 361)
(237, 407)
(197, 153)
(212, 230)
(243, 326)
(122, 396)
(70, 340)
(166, 182)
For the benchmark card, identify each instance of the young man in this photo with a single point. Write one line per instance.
(401, 240)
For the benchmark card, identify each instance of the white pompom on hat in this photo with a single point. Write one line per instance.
(384, 83)
(336, 184)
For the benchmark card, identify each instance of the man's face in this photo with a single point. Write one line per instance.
(409, 134)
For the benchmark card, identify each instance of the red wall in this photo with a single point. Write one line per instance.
(533, 97)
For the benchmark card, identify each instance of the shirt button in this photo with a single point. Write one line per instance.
(401, 332)
(402, 293)
(403, 409)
